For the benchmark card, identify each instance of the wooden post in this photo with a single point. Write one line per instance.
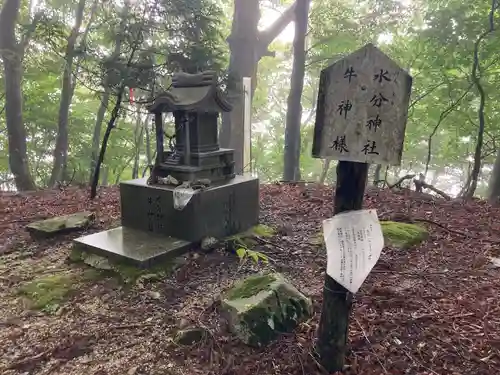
(247, 124)
(337, 300)
(360, 120)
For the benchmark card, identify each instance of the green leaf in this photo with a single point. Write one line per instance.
(241, 252)
(254, 255)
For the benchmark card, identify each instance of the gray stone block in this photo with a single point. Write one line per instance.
(218, 211)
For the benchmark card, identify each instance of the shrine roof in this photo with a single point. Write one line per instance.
(192, 92)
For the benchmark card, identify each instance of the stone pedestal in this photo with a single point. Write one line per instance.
(218, 211)
(153, 230)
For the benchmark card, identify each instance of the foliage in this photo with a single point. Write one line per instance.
(433, 39)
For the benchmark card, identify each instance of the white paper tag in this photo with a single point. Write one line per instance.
(354, 241)
(182, 196)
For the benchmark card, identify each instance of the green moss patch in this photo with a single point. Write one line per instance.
(47, 293)
(262, 230)
(403, 235)
(128, 274)
(250, 286)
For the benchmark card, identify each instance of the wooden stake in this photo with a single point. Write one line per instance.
(337, 300)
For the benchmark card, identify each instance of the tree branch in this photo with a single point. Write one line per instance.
(267, 36)
(430, 91)
(443, 115)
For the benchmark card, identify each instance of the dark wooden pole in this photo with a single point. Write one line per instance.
(337, 300)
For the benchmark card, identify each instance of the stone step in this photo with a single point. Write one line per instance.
(132, 246)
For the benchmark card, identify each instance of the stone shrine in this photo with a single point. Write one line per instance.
(195, 101)
(216, 202)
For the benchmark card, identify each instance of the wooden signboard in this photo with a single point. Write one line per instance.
(362, 109)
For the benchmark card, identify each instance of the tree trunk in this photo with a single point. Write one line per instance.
(247, 46)
(376, 174)
(16, 132)
(494, 184)
(61, 148)
(476, 79)
(101, 112)
(291, 170)
(111, 124)
(324, 171)
(243, 61)
(105, 173)
(105, 97)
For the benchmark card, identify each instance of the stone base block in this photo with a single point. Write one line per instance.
(132, 246)
(221, 210)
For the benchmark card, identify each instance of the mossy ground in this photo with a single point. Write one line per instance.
(129, 274)
(47, 293)
(403, 235)
(262, 230)
(250, 286)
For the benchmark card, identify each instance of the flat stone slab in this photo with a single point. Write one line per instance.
(60, 224)
(140, 248)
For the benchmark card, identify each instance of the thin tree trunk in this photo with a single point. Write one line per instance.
(324, 170)
(122, 169)
(494, 183)
(105, 173)
(12, 61)
(476, 79)
(376, 174)
(247, 46)
(111, 124)
(106, 95)
(291, 170)
(61, 148)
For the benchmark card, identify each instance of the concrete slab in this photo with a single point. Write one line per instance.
(136, 247)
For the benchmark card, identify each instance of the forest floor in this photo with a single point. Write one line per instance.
(432, 309)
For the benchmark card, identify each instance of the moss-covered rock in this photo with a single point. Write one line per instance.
(47, 293)
(261, 307)
(403, 235)
(60, 224)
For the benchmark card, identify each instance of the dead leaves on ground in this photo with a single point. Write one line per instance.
(433, 309)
